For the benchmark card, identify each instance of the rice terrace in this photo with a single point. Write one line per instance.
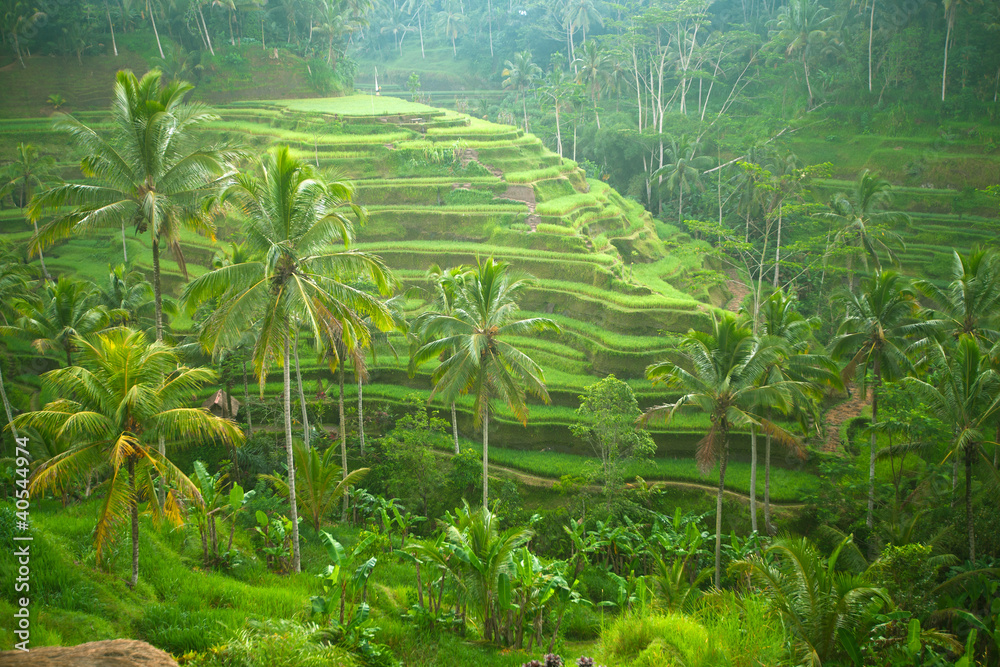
(460, 332)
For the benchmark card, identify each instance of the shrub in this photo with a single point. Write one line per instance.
(660, 641)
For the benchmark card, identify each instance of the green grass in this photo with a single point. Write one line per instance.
(359, 105)
(786, 485)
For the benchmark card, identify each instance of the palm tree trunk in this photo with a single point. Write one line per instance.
(724, 459)
(944, 72)
(208, 39)
(559, 147)
(302, 395)
(805, 68)
(768, 526)
(293, 511)
(343, 437)
(158, 310)
(486, 456)
(157, 293)
(753, 478)
(114, 44)
(361, 418)
(489, 18)
(41, 257)
(871, 32)
(969, 524)
(156, 32)
(10, 415)
(420, 31)
(869, 520)
(134, 511)
(246, 399)
(777, 251)
(454, 426)
(524, 105)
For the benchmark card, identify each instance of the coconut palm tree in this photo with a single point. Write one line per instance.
(578, 15)
(807, 28)
(970, 304)
(966, 397)
(125, 394)
(862, 223)
(814, 598)
(521, 75)
(592, 71)
(727, 365)
(291, 218)
(485, 552)
(478, 359)
(149, 172)
(872, 336)
(128, 297)
(319, 483)
(29, 170)
(780, 321)
(447, 287)
(684, 168)
(558, 88)
(12, 284)
(453, 24)
(65, 311)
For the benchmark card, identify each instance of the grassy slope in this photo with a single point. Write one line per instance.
(179, 607)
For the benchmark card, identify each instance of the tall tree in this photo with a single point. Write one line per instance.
(806, 28)
(970, 303)
(684, 168)
(478, 358)
(520, 74)
(150, 172)
(54, 322)
(873, 336)
(863, 224)
(592, 72)
(447, 285)
(125, 394)
(558, 88)
(453, 24)
(29, 170)
(967, 398)
(727, 365)
(291, 218)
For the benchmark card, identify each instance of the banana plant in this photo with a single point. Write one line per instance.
(348, 575)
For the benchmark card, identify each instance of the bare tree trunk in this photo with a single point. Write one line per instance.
(489, 11)
(969, 523)
(777, 250)
(114, 44)
(208, 40)
(723, 460)
(454, 426)
(486, 456)
(871, 32)
(361, 418)
(156, 32)
(134, 511)
(41, 257)
(343, 437)
(302, 395)
(246, 398)
(158, 311)
(944, 72)
(124, 246)
(869, 519)
(753, 478)
(768, 526)
(293, 511)
(10, 414)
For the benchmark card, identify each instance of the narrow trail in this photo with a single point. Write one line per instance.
(836, 416)
(472, 155)
(529, 479)
(739, 290)
(525, 194)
